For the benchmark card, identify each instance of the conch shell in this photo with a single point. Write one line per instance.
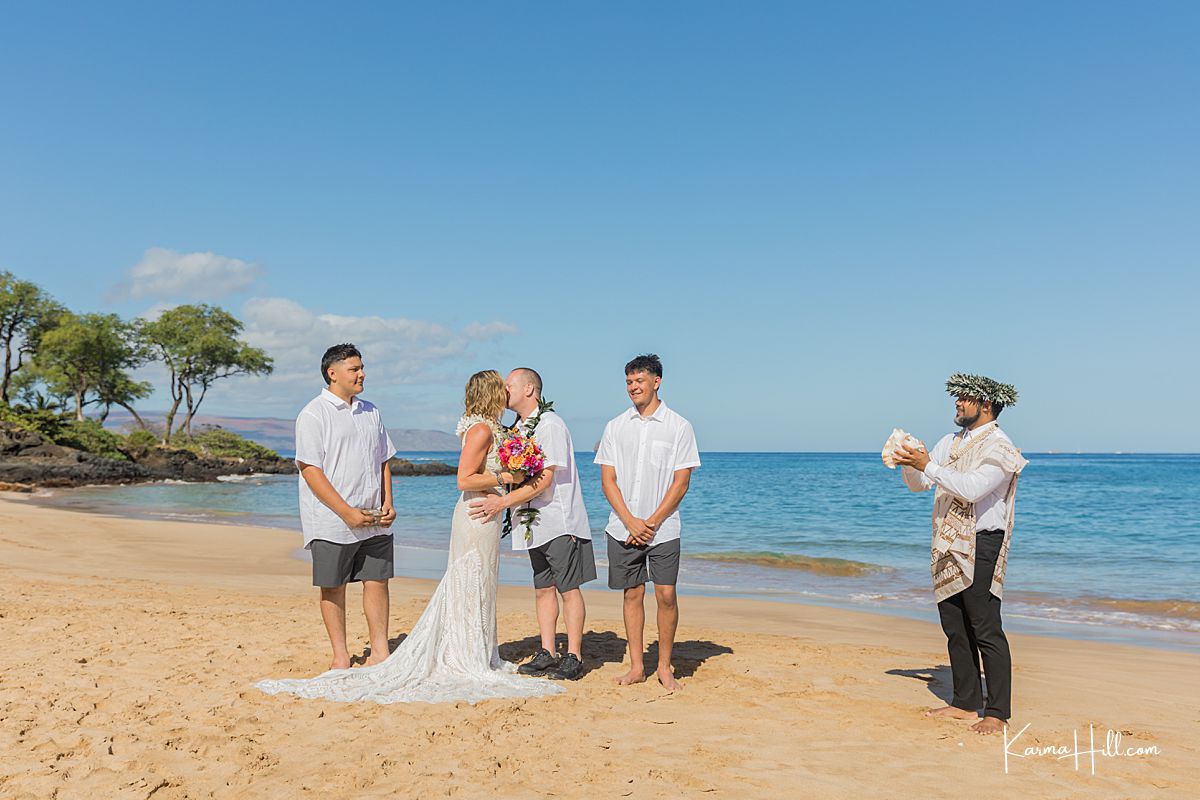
(897, 438)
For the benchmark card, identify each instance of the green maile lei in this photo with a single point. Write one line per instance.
(525, 516)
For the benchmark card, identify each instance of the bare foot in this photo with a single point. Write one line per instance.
(988, 725)
(377, 659)
(632, 677)
(953, 712)
(667, 679)
(340, 662)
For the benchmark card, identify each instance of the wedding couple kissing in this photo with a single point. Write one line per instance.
(451, 653)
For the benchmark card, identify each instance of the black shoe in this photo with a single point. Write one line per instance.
(540, 665)
(569, 668)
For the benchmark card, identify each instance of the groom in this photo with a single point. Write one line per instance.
(560, 540)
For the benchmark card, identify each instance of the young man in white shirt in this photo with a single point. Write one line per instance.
(342, 451)
(560, 539)
(646, 458)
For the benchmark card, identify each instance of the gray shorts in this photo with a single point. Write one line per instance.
(565, 562)
(632, 565)
(338, 564)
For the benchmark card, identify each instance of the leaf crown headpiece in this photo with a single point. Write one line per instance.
(982, 388)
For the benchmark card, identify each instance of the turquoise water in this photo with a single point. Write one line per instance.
(1106, 546)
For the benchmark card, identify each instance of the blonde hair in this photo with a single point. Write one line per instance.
(485, 395)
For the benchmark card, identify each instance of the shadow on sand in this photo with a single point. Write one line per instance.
(606, 647)
(361, 658)
(599, 648)
(686, 657)
(937, 680)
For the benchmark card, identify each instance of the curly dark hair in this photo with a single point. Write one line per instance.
(646, 363)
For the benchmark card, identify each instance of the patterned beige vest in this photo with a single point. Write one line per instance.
(952, 560)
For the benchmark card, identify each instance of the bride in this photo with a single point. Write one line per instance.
(451, 652)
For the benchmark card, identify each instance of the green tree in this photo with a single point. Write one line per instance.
(26, 313)
(32, 392)
(119, 389)
(199, 345)
(88, 357)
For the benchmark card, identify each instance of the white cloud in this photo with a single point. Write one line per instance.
(167, 275)
(488, 330)
(157, 310)
(395, 350)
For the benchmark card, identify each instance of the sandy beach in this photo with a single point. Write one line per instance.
(131, 647)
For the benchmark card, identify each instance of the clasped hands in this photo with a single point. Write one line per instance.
(641, 531)
(485, 509)
(916, 458)
(357, 518)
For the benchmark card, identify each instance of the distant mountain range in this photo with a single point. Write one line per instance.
(280, 434)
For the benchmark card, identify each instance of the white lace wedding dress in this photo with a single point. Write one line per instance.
(451, 653)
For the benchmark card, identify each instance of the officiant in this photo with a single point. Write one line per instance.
(974, 472)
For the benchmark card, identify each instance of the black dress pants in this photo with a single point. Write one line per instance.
(971, 621)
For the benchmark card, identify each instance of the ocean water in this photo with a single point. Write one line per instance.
(1105, 546)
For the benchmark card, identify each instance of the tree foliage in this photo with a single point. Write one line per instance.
(56, 364)
(88, 357)
(26, 313)
(199, 345)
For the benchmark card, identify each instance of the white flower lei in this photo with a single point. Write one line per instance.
(468, 422)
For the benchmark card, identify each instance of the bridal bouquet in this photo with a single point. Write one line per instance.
(521, 455)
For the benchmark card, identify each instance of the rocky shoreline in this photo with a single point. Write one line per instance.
(403, 468)
(28, 461)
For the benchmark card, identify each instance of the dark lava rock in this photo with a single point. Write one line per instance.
(404, 468)
(187, 466)
(26, 458)
(29, 460)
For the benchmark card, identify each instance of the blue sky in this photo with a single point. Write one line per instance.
(812, 212)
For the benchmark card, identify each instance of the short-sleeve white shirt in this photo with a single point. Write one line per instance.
(349, 444)
(560, 509)
(646, 452)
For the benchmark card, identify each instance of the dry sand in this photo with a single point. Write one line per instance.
(130, 647)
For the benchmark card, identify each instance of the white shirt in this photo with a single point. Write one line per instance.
(985, 486)
(349, 444)
(560, 508)
(646, 452)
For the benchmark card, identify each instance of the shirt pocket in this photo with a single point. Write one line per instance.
(661, 453)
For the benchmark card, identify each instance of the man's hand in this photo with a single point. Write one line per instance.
(640, 531)
(357, 518)
(487, 508)
(917, 458)
(388, 516)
